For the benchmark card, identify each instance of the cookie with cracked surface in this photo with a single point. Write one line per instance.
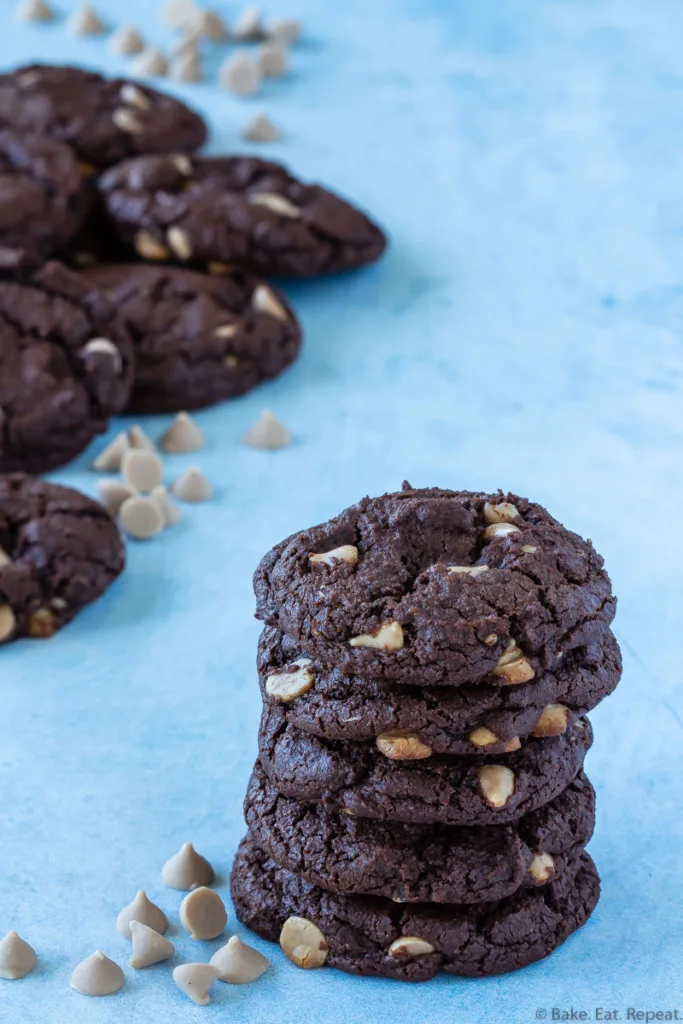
(66, 366)
(434, 587)
(199, 338)
(462, 720)
(103, 120)
(415, 785)
(59, 551)
(239, 209)
(368, 935)
(43, 198)
(415, 863)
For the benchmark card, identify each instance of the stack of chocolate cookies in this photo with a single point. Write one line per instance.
(419, 801)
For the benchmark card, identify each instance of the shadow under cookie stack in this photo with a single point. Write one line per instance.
(419, 802)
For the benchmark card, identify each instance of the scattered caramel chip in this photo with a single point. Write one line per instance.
(240, 75)
(170, 511)
(248, 27)
(497, 783)
(141, 909)
(345, 553)
(142, 469)
(192, 485)
(17, 958)
(288, 685)
(238, 963)
(141, 518)
(196, 981)
(261, 129)
(34, 10)
(109, 459)
(267, 433)
(187, 869)
(303, 943)
(149, 947)
(403, 745)
(150, 63)
(410, 945)
(85, 22)
(285, 30)
(178, 13)
(187, 67)
(97, 975)
(138, 438)
(389, 637)
(209, 25)
(182, 436)
(203, 914)
(272, 59)
(113, 494)
(126, 41)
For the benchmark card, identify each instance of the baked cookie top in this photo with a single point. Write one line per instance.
(66, 366)
(436, 587)
(103, 120)
(239, 209)
(58, 552)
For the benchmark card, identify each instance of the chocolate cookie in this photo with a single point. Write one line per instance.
(236, 210)
(199, 338)
(369, 935)
(66, 366)
(358, 778)
(42, 198)
(450, 720)
(413, 863)
(58, 552)
(103, 120)
(432, 587)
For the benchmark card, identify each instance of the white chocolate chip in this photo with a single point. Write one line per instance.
(272, 59)
(240, 75)
(500, 530)
(403, 745)
(141, 518)
(552, 721)
(105, 347)
(113, 494)
(196, 981)
(17, 958)
(149, 248)
(192, 485)
(263, 300)
(345, 553)
(137, 438)
(542, 867)
(34, 10)
(497, 784)
(134, 96)
(202, 914)
(109, 459)
(469, 570)
(410, 945)
(143, 910)
(126, 41)
(85, 22)
(149, 947)
(482, 737)
(182, 436)
(389, 637)
(503, 512)
(513, 666)
(261, 129)
(187, 869)
(151, 63)
(170, 511)
(179, 243)
(7, 622)
(293, 683)
(127, 121)
(97, 975)
(276, 203)
(238, 963)
(267, 433)
(141, 469)
(303, 943)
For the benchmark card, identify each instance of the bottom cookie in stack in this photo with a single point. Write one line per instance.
(374, 936)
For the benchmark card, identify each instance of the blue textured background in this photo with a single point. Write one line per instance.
(524, 331)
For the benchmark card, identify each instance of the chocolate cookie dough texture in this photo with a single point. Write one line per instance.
(419, 802)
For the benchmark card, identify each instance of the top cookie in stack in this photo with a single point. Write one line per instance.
(427, 663)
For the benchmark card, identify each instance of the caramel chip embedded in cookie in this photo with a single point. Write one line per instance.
(238, 963)
(7, 622)
(389, 637)
(149, 947)
(344, 553)
(141, 909)
(17, 958)
(293, 683)
(203, 914)
(187, 869)
(497, 783)
(97, 975)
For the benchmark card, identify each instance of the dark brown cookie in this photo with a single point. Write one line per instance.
(103, 120)
(236, 210)
(428, 590)
(198, 338)
(359, 779)
(66, 366)
(414, 863)
(367, 934)
(58, 552)
(451, 720)
(42, 198)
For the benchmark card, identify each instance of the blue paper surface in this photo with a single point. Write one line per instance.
(523, 331)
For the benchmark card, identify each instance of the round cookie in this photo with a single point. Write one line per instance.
(451, 720)
(42, 198)
(359, 931)
(199, 338)
(58, 552)
(236, 210)
(415, 863)
(357, 778)
(430, 590)
(103, 120)
(66, 366)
